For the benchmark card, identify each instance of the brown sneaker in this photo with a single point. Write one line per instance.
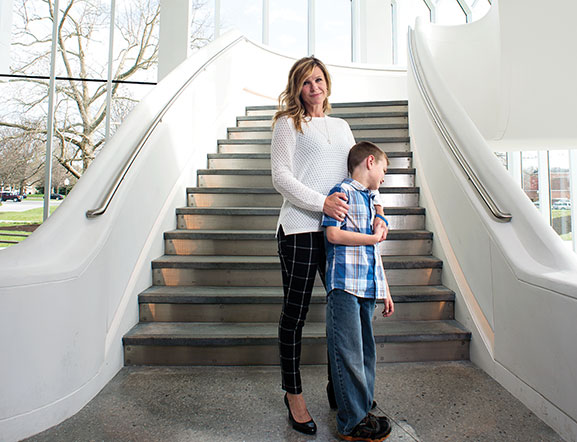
(370, 429)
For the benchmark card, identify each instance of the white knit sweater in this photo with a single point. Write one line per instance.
(305, 167)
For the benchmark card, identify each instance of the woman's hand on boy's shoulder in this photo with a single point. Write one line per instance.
(336, 206)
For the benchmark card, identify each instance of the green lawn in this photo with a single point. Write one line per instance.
(21, 237)
(560, 213)
(32, 216)
(567, 237)
(36, 196)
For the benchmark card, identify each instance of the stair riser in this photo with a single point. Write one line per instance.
(400, 199)
(275, 200)
(269, 247)
(261, 163)
(456, 350)
(224, 147)
(357, 133)
(267, 122)
(411, 311)
(234, 200)
(265, 222)
(339, 110)
(272, 277)
(393, 180)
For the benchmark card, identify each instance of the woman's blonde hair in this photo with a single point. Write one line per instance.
(290, 102)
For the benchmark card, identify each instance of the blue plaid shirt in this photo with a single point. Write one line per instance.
(357, 270)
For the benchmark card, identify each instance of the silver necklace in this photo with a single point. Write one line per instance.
(325, 134)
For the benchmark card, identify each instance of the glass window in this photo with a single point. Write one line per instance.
(407, 13)
(5, 33)
(448, 12)
(22, 151)
(503, 158)
(134, 22)
(560, 193)
(479, 8)
(530, 167)
(288, 27)
(246, 16)
(82, 53)
(201, 23)
(333, 31)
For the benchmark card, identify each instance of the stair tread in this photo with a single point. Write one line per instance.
(410, 210)
(267, 155)
(374, 126)
(245, 262)
(265, 141)
(211, 333)
(391, 171)
(270, 234)
(228, 210)
(260, 190)
(344, 105)
(259, 295)
(335, 115)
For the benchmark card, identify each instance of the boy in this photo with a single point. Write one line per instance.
(355, 280)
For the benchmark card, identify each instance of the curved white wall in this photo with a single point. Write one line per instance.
(514, 72)
(69, 292)
(516, 282)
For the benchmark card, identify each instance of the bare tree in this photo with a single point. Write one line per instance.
(20, 162)
(82, 37)
(81, 106)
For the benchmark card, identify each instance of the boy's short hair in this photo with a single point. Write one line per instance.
(362, 150)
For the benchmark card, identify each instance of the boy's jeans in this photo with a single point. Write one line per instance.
(352, 355)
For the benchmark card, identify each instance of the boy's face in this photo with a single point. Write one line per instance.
(377, 171)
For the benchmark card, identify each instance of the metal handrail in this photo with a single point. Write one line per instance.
(423, 89)
(122, 174)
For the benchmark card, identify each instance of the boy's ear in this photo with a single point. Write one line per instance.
(370, 161)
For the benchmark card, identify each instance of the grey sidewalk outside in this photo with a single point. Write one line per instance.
(452, 401)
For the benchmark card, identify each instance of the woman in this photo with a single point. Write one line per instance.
(308, 157)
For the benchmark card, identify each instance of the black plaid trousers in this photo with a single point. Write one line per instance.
(301, 256)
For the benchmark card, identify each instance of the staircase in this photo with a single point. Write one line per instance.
(217, 292)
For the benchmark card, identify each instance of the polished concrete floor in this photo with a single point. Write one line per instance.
(426, 401)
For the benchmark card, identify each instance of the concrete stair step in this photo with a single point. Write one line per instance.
(351, 118)
(269, 197)
(359, 131)
(233, 196)
(262, 160)
(172, 343)
(263, 242)
(263, 218)
(264, 271)
(263, 304)
(403, 177)
(390, 144)
(343, 108)
(267, 295)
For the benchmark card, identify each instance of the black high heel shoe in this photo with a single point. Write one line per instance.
(304, 427)
(333, 400)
